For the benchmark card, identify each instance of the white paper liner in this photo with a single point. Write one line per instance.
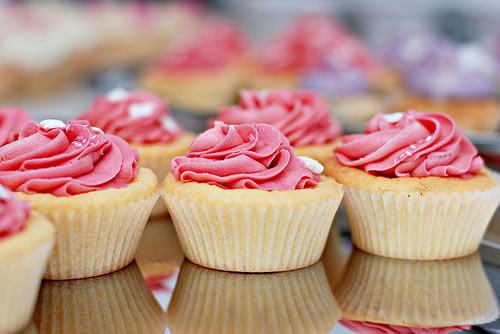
(210, 301)
(416, 293)
(116, 303)
(20, 281)
(252, 239)
(422, 227)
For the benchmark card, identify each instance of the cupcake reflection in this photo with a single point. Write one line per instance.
(383, 295)
(210, 301)
(120, 302)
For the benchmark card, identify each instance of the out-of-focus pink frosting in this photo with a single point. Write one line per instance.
(66, 161)
(366, 327)
(302, 117)
(217, 44)
(138, 117)
(418, 145)
(12, 121)
(255, 156)
(13, 213)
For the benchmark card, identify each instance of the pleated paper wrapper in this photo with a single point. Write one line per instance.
(104, 235)
(120, 302)
(210, 301)
(21, 273)
(416, 293)
(420, 227)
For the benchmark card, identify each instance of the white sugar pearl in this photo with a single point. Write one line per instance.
(313, 165)
(49, 124)
(138, 110)
(394, 117)
(98, 130)
(3, 193)
(117, 95)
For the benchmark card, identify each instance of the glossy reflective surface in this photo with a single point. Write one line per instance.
(164, 293)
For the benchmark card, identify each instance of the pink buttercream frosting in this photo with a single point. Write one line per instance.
(302, 117)
(12, 121)
(67, 160)
(249, 156)
(137, 117)
(366, 327)
(13, 213)
(417, 145)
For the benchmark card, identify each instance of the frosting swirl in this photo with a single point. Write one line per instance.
(374, 328)
(245, 156)
(13, 213)
(413, 144)
(302, 117)
(12, 120)
(64, 160)
(138, 117)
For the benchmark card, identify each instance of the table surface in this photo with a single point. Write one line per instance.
(161, 292)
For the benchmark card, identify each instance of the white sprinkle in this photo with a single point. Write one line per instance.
(312, 165)
(394, 117)
(169, 124)
(52, 124)
(4, 194)
(98, 130)
(231, 126)
(138, 110)
(117, 95)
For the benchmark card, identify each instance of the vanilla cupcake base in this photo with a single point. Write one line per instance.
(96, 232)
(251, 230)
(23, 258)
(421, 294)
(210, 301)
(157, 157)
(321, 153)
(417, 218)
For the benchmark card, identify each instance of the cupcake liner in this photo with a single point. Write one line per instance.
(116, 303)
(252, 230)
(416, 293)
(159, 250)
(97, 232)
(419, 226)
(157, 157)
(211, 301)
(22, 263)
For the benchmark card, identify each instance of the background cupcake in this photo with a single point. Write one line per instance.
(89, 185)
(26, 240)
(258, 303)
(143, 120)
(273, 211)
(415, 187)
(301, 116)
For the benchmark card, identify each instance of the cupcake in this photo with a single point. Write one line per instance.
(415, 187)
(88, 184)
(26, 240)
(462, 86)
(346, 89)
(142, 119)
(415, 295)
(366, 327)
(12, 121)
(211, 301)
(202, 72)
(120, 302)
(242, 201)
(301, 116)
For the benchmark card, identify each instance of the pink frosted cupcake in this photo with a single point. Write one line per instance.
(26, 240)
(241, 200)
(89, 185)
(302, 116)
(12, 121)
(143, 120)
(366, 327)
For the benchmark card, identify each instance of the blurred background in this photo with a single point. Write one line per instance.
(362, 56)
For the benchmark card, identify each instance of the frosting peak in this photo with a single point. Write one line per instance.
(65, 161)
(303, 117)
(13, 213)
(137, 117)
(12, 121)
(255, 156)
(414, 144)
